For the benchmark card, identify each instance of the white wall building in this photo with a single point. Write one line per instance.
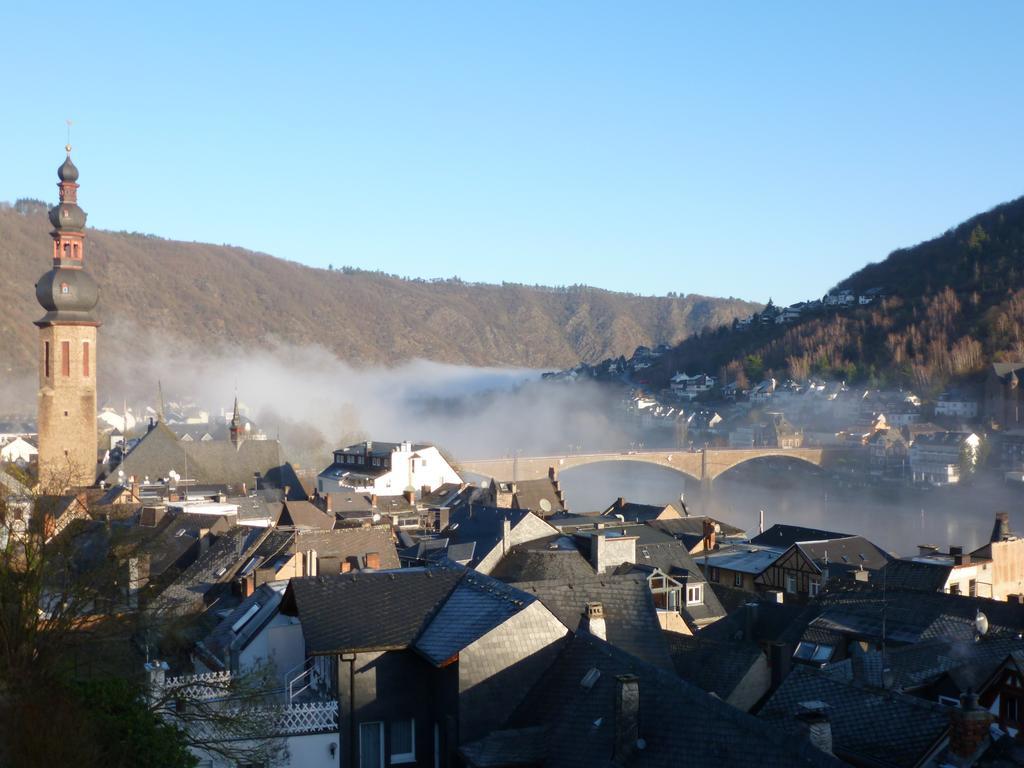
(386, 469)
(18, 450)
(938, 459)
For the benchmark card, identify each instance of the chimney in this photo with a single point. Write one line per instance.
(813, 718)
(312, 568)
(373, 561)
(373, 500)
(442, 518)
(620, 503)
(709, 534)
(968, 727)
(749, 621)
(597, 547)
(287, 489)
(328, 504)
(134, 485)
(627, 716)
(346, 566)
(410, 495)
(553, 474)
(156, 674)
(506, 535)
(1001, 529)
(595, 620)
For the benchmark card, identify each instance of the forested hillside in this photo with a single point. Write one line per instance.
(952, 305)
(196, 295)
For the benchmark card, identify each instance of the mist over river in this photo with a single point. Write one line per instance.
(896, 518)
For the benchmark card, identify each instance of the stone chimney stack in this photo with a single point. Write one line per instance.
(813, 717)
(595, 620)
(627, 716)
(373, 561)
(968, 728)
(1001, 529)
(506, 535)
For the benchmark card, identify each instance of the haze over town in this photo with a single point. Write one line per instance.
(482, 463)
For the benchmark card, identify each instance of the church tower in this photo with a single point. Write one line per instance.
(67, 349)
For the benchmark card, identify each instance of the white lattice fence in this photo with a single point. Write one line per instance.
(308, 718)
(210, 685)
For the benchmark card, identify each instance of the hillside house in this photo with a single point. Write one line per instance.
(940, 458)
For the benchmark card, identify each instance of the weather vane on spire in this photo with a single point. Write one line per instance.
(68, 145)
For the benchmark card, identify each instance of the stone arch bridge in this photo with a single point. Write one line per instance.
(704, 465)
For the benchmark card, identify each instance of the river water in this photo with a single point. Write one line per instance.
(897, 519)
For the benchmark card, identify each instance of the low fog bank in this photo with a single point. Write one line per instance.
(897, 519)
(315, 402)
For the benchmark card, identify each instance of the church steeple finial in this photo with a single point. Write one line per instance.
(235, 430)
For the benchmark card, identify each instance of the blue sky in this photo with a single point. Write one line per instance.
(746, 149)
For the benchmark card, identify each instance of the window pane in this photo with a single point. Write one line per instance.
(371, 748)
(401, 740)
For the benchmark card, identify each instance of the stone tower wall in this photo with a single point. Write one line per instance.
(67, 407)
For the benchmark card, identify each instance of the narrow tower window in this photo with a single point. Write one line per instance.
(65, 358)
(85, 359)
(46, 358)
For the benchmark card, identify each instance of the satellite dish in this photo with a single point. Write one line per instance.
(545, 505)
(981, 623)
(376, 517)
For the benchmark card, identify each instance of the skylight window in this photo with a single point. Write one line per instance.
(245, 617)
(589, 679)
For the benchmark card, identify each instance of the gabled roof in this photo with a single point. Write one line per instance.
(868, 724)
(694, 526)
(784, 536)
(716, 667)
(345, 543)
(476, 606)
(917, 575)
(302, 515)
(639, 513)
(217, 565)
(384, 610)
(631, 619)
(232, 634)
(856, 611)
(543, 560)
(849, 553)
(530, 493)
(213, 461)
(679, 723)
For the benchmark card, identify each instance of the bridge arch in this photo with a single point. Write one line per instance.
(716, 470)
(703, 465)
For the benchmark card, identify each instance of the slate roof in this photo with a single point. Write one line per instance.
(918, 665)
(384, 610)
(304, 516)
(770, 622)
(531, 562)
(856, 610)
(694, 526)
(214, 461)
(476, 606)
(716, 667)
(480, 525)
(679, 723)
(784, 536)
(502, 749)
(344, 543)
(916, 575)
(631, 619)
(847, 553)
(744, 558)
(638, 513)
(530, 493)
(215, 566)
(218, 647)
(884, 727)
